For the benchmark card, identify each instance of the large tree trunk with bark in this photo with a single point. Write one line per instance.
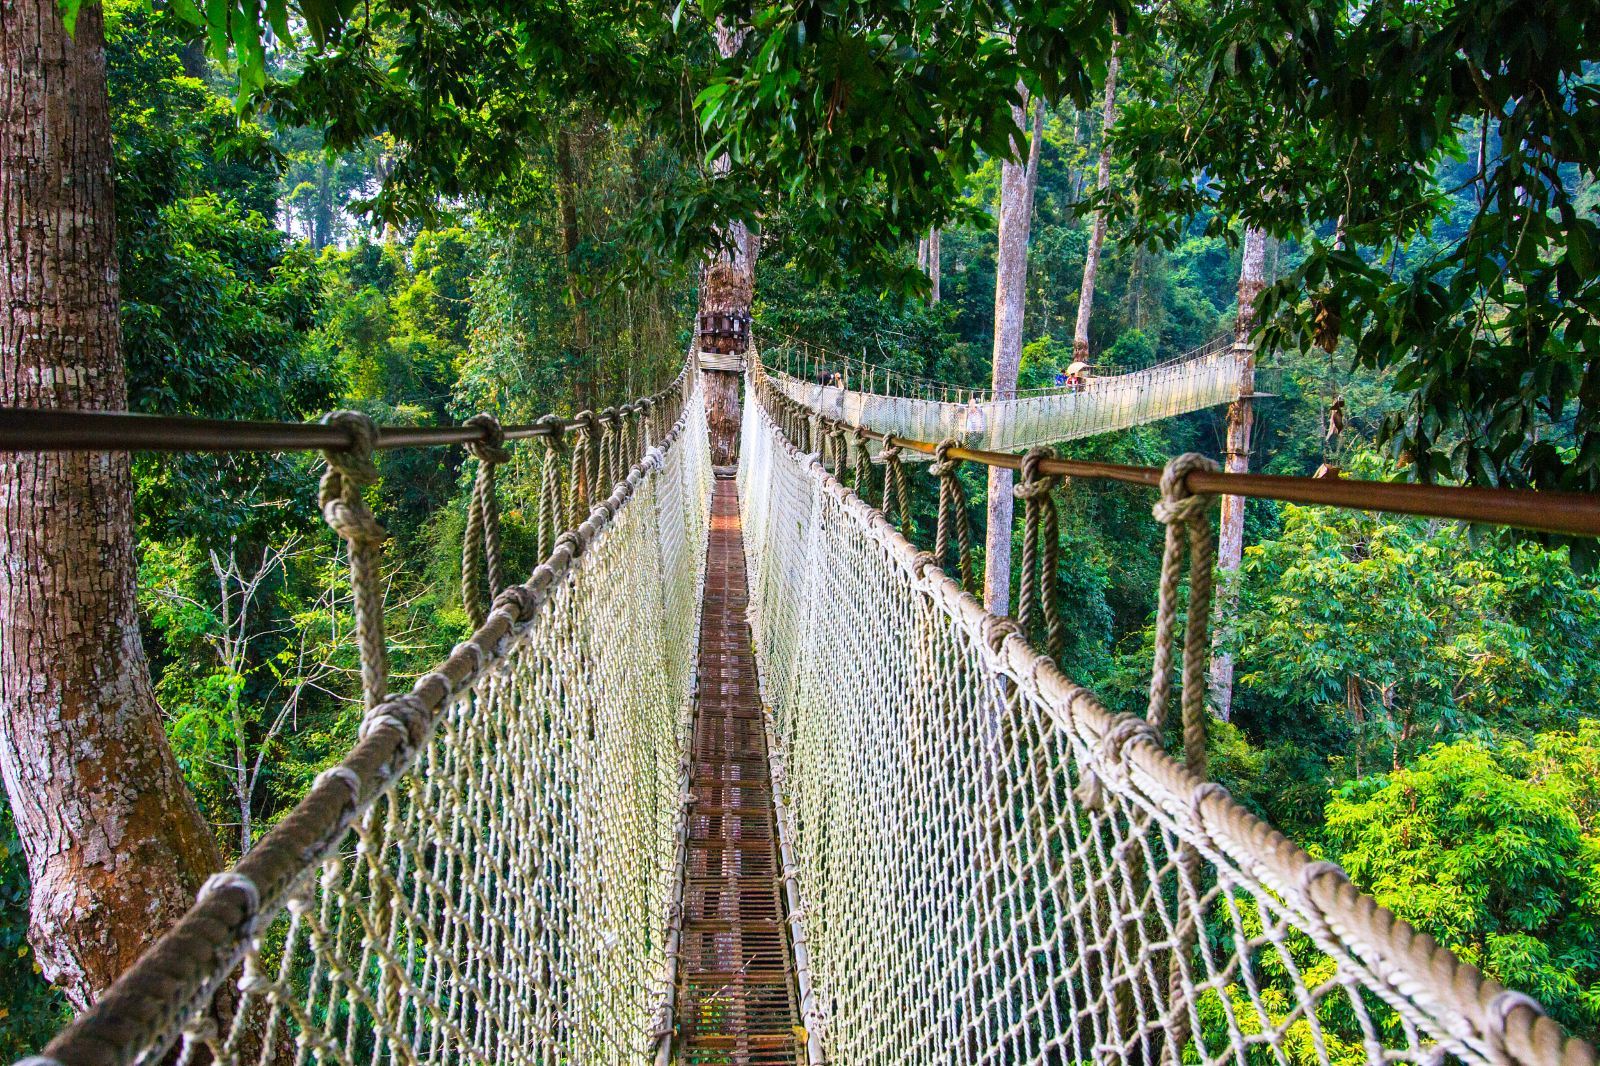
(1097, 235)
(1017, 182)
(115, 845)
(1241, 414)
(727, 286)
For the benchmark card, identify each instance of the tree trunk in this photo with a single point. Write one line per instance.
(727, 285)
(1010, 301)
(116, 847)
(933, 265)
(322, 219)
(1097, 235)
(1230, 538)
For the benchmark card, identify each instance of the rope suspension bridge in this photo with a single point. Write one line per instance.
(741, 775)
(920, 409)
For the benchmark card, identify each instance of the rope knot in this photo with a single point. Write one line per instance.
(492, 449)
(943, 465)
(1178, 504)
(1034, 484)
(346, 512)
(554, 428)
(349, 471)
(354, 463)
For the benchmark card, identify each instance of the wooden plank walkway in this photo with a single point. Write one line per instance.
(736, 989)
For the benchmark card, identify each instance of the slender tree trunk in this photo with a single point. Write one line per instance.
(322, 219)
(933, 265)
(1097, 235)
(1241, 415)
(1010, 302)
(115, 845)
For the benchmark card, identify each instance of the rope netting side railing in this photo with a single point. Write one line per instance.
(1206, 377)
(994, 869)
(488, 875)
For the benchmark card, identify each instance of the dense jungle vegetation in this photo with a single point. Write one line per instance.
(1416, 699)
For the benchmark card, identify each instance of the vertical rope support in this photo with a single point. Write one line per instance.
(551, 504)
(345, 510)
(579, 485)
(862, 474)
(1038, 592)
(483, 518)
(608, 445)
(1187, 518)
(952, 512)
(896, 492)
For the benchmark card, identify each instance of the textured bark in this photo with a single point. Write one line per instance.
(1241, 415)
(933, 265)
(115, 844)
(727, 284)
(1010, 301)
(1097, 235)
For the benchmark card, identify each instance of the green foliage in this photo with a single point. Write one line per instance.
(215, 300)
(1397, 633)
(1483, 303)
(1495, 850)
(30, 1011)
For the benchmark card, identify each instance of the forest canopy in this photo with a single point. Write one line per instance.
(424, 209)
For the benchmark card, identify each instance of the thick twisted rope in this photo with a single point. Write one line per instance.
(863, 464)
(838, 443)
(551, 514)
(345, 510)
(608, 446)
(1187, 518)
(1039, 591)
(482, 536)
(896, 491)
(952, 512)
(585, 433)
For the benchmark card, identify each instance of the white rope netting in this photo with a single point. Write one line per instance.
(1206, 377)
(993, 869)
(496, 885)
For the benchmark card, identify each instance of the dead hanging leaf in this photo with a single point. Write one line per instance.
(1327, 324)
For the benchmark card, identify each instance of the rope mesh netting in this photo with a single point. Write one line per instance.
(1206, 377)
(994, 869)
(487, 878)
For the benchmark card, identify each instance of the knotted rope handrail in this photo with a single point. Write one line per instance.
(513, 820)
(345, 509)
(1185, 516)
(896, 498)
(586, 431)
(481, 539)
(1038, 591)
(1021, 923)
(553, 511)
(952, 512)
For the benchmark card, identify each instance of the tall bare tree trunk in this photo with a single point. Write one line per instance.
(1230, 538)
(1017, 182)
(115, 844)
(727, 285)
(933, 265)
(1097, 235)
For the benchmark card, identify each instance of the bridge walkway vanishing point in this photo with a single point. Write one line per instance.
(736, 994)
(704, 776)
